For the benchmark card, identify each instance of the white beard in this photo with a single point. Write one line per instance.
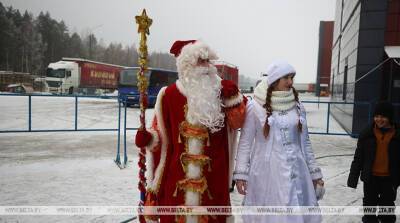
(203, 88)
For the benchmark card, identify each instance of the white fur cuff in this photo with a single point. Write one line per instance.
(233, 101)
(154, 141)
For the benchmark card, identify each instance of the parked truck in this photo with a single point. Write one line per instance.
(77, 75)
(228, 71)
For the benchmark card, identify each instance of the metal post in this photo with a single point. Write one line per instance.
(327, 120)
(76, 113)
(117, 159)
(30, 113)
(125, 155)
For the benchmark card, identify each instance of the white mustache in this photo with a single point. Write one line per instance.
(205, 70)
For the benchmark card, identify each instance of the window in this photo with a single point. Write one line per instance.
(58, 73)
(158, 79)
(128, 77)
(172, 77)
(346, 66)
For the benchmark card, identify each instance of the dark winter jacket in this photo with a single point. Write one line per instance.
(365, 155)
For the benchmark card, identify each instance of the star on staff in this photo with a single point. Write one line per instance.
(144, 23)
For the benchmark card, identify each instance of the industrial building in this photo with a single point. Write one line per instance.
(365, 60)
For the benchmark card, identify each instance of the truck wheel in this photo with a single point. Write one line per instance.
(71, 90)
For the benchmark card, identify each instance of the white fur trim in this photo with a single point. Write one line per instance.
(232, 143)
(192, 198)
(231, 102)
(153, 184)
(230, 219)
(149, 166)
(192, 219)
(180, 88)
(154, 140)
(149, 155)
(195, 147)
(194, 171)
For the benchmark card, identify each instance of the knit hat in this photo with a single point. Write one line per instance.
(260, 92)
(279, 69)
(385, 109)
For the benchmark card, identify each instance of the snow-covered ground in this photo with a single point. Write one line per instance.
(77, 168)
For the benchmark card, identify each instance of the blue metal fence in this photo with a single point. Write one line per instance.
(328, 114)
(57, 130)
(76, 128)
(124, 116)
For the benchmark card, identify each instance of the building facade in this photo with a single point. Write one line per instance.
(362, 72)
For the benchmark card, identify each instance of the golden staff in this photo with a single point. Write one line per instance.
(144, 22)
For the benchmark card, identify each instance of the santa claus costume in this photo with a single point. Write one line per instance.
(193, 136)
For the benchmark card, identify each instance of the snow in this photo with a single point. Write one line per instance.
(77, 168)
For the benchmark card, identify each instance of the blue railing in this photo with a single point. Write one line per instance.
(328, 114)
(76, 129)
(56, 130)
(124, 116)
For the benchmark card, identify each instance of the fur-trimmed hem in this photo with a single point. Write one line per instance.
(149, 166)
(195, 146)
(232, 143)
(233, 101)
(230, 219)
(154, 183)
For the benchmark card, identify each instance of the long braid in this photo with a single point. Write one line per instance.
(296, 98)
(268, 109)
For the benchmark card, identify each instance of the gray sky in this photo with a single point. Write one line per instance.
(249, 34)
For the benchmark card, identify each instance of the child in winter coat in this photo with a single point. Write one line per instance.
(377, 160)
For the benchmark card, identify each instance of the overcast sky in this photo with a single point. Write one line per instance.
(249, 34)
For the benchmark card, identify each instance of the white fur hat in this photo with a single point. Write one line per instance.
(279, 69)
(191, 52)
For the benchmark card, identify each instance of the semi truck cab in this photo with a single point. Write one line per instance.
(62, 77)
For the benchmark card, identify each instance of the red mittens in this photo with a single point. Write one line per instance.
(143, 138)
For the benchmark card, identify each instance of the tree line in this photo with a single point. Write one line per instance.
(28, 44)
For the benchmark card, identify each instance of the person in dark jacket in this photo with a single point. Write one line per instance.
(377, 163)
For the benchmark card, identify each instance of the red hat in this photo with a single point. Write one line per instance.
(178, 45)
